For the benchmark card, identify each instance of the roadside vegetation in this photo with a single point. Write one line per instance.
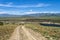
(49, 32)
(6, 30)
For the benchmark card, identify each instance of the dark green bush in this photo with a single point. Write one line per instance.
(1, 23)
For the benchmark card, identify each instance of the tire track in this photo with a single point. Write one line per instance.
(22, 33)
(15, 34)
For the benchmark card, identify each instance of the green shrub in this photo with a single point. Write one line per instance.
(1, 23)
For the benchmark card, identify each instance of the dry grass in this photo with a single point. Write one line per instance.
(51, 33)
(6, 30)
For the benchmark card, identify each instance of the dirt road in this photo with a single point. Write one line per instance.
(22, 33)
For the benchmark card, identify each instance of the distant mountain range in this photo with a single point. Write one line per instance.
(42, 14)
(31, 15)
(9, 15)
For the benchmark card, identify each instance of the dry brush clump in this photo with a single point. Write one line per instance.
(6, 30)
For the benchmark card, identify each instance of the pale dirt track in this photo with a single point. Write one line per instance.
(22, 33)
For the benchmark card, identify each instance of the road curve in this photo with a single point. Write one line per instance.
(22, 33)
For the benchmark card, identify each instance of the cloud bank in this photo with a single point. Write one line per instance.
(25, 6)
(34, 12)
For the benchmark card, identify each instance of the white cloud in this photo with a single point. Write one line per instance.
(6, 5)
(34, 12)
(31, 12)
(3, 12)
(42, 5)
(10, 3)
(51, 12)
(36, 5)
(24, 6)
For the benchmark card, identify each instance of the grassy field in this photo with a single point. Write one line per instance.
(23, 18)
(49, 32)
(6, 30)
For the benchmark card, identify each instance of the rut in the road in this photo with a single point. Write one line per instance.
(22, 33)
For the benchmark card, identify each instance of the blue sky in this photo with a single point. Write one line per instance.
(21, 7)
